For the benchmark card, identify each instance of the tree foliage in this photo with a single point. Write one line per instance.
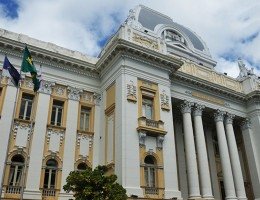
(94, 185)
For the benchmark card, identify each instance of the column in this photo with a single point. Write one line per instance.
(38, 141)
(70, 139)
(234, 157)
(252, 156)
(224, 156)
(203, 164)
(191, 162)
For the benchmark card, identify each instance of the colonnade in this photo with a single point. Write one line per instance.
(198, 172)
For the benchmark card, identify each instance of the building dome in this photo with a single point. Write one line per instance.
(189, 44)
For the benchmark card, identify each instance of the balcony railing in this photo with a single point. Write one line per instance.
(151, 190)
(48, 192)
(151, 126)
(13, 189)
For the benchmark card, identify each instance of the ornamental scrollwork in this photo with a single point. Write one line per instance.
(165, 101)
(131, 92)
(74, 93)
(46, 87)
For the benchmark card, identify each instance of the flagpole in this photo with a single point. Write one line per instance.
(9, 137)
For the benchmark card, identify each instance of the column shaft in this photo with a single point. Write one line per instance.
(203, 164)
(192, 170)
(224, 157)
(234, 157)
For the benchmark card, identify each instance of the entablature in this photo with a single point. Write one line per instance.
(120, 46)
(206, 85)
(50, 54)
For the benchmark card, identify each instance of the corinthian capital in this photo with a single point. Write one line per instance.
(246, 124)
(197, 110)
(229, 118)
(186, 107)
(219, 116)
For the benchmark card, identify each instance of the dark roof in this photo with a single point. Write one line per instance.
(150, 19)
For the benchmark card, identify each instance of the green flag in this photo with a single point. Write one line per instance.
(28, 66)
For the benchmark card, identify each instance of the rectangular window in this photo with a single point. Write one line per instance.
(26, 106)
(84, 118)
(147, 107)
(57, 112)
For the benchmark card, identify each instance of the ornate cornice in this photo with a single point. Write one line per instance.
(189, 79)
(120, 46)
(49, 58)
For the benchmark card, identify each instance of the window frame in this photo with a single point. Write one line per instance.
(24, 114)
(50, 172)
(150, 173)
(145, 105)
(87, 111)
(16, 172)
(91, 117)
(63, 113)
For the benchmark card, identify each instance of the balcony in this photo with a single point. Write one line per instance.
(48, 192)
(13, 189)
(151, 127)
(151, 190)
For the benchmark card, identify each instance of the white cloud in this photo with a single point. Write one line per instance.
(81, 25)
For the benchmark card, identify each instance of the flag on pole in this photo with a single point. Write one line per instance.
(28, 66)
(14, 74)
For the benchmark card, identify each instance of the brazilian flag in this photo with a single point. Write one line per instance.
(28, 66)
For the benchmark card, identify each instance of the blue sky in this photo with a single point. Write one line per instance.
(230, 28)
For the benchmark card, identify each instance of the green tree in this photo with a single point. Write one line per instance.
(94, 185)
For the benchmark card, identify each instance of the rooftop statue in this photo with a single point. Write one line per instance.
(244, 72)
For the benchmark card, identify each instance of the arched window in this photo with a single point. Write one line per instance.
(82, 166)
(50, 174)
(150, 171)
(16, 170)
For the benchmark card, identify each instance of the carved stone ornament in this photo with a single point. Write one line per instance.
(186, 107)
(142, 136)
(27, 127)
(59, 90)
(84, 136)
(51, 131)
(159, 141)
(219, 116)
(229, 118)
(46, 87)
(27, 83)
(146, 42)
(87, 96)
(131, 20)
(97, 98)
(197, 110)
(74, 93)
(165, 104)
(131, 92)
(246, 124)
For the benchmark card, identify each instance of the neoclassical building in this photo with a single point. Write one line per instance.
(151, 107)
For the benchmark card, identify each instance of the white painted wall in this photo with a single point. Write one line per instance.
(70, 144)
(169, 150)
(36, 154)
(5, 125)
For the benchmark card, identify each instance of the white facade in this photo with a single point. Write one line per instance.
(151, 107)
